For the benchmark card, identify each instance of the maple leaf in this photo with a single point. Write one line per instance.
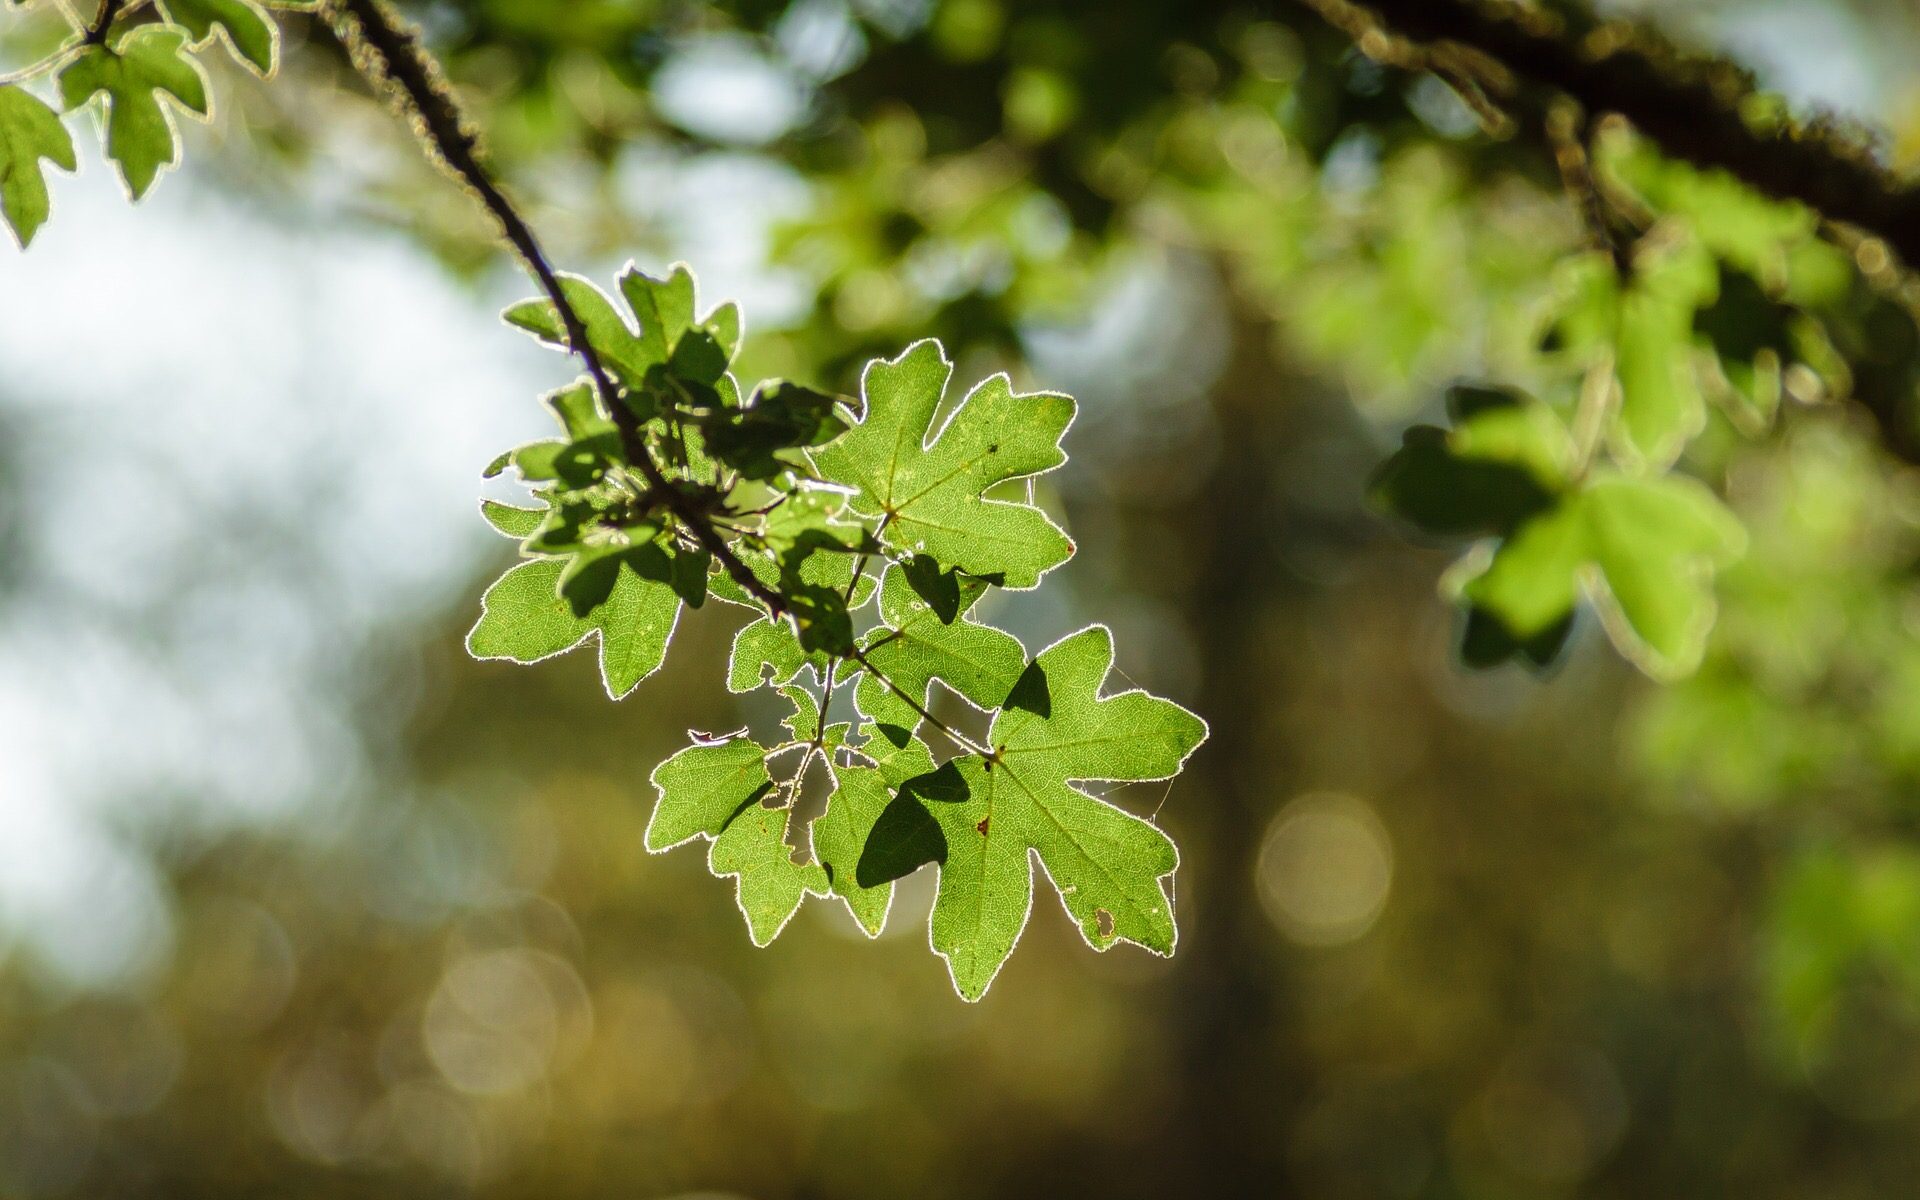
(148, 61)
(661, 349)
(715, 791)
(245, 26)
(927, 493)
(842, 835)
(926, 635)
(1646, 549)
(984, 819)
(525, 618)
(29, 132)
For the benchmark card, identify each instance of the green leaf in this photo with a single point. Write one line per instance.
(716, 791)
(249, 33)
(805, 717)
(1500, 425)
(577, 409)
(1732, 220)
(842, 835)
(525, 619)
(1428, 484)
(766, 651)
(516, 523)
(915, 645)
(753, 848)
(814, 519)
(1647, 548)
(662, 353)
(1503, 461)
(147, 62)
(1587, 306)
(1646, 324)
(29, 132)
(625, 353)
(1657, 544)
(1661, 406)
(929, 493)
(1533, 579)
(1108, 865)
(702, 788)
(779, 417)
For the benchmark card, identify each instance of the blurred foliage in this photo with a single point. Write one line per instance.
(1455, 935)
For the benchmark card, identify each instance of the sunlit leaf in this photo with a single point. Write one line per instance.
(925, 486)
(149, 61)
(29, 132)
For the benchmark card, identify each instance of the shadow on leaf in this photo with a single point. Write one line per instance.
(906, 837)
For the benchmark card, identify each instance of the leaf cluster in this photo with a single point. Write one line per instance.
(1579, 491)
(145, 76)
(881, 524)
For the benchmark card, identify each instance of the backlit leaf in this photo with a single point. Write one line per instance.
(926, 486)
(149, 61)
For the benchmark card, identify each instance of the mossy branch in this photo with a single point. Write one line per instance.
(389, 53)
(1702, 110)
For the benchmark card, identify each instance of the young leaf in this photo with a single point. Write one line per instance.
(928, 493)
(516, 523)
(1656, 544)
(660, 347)
(148, 61)
(1108, 865)
(915, 645)
(1661, 406)
(29, 132)
(524, 618)
(249, 33)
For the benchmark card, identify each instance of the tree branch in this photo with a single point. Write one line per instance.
(1690, 106)
(386, 51)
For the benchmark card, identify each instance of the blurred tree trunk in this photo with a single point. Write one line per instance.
(1239, 1086)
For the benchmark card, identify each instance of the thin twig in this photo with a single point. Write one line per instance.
(97, 32)
(367, 26)
(1566, 132)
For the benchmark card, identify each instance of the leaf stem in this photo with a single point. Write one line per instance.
(1566, 129)
(953, 735)
(390, 53)
(96, 34)
(819, 741)
(1597, 393)
(860, 563)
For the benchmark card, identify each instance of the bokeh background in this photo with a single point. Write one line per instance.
(296, 900)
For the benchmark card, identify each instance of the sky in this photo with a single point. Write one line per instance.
(240, 445)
